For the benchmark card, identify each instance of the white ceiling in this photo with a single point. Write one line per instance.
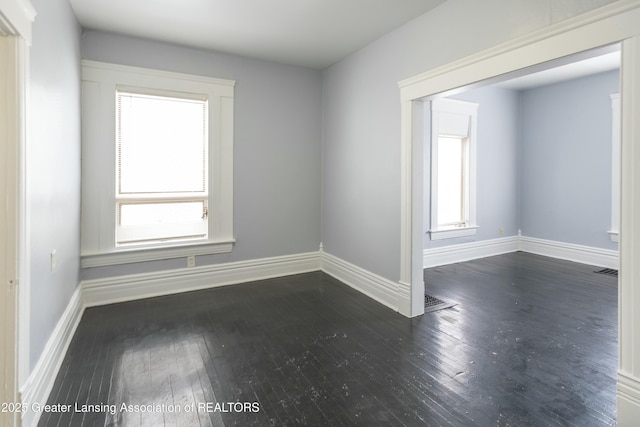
(309, 33)
(579, 68)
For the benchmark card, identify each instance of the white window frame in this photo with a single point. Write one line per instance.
(99, 83)
(442, 111)
(615, 167)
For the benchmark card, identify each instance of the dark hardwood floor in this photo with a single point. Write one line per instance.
(531, 342)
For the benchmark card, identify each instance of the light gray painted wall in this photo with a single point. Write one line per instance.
(566, 161)
(278, 131)
(361, 149)
(496, 165)
(277, 157)
(53, 167)
(529, 175)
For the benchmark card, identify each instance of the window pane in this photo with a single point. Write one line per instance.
(161, 144)
(450, 181)
(156, 222)
(160, 213)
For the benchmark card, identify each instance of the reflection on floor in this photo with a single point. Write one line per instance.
(532, 341)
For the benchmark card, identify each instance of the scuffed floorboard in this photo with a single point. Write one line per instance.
(531, 341)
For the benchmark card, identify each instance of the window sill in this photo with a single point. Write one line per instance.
(131, 255)
(450, 233)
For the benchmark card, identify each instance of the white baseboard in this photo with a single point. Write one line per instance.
(146, 285)
(37, 388)
(137, 286)
(571, 252)
(391, 294)
(628, 399)
(568, 251)
(435, 257)
(377, 287)
(125, 288)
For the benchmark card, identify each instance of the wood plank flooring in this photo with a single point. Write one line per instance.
(531, 341)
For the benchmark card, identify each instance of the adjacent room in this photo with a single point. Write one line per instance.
(532, 162)
(546, 321)
(226, 213)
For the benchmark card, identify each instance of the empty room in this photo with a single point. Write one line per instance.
(228, 213)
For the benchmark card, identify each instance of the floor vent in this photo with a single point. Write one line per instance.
(608, 272)
(435, 304)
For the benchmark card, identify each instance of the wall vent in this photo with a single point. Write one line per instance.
(608, 272)
(434, 304)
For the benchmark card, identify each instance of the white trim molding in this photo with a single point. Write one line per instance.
(614, 236)
(452, 254)
(453, 232)
(629, 286)
(571, 252)
(628, 389)
(385, 291)
(37, 388)
(606, 25)
(16, 18)
(151, 254)
(615, 168)
(146, 285)
(11, 223)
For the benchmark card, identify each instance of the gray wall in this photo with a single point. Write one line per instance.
(497, 173)
(543, 162)
(361, 159)
(566, 161)
(53, 167)
(282, 113)
(277, 143)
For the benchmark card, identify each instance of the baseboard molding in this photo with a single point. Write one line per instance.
(445, 255)
(137, 286)
(130, 287)
(376, 287)
(475, 250)
(391, 294)
(571, 252)
(43, 376)
(628, 397)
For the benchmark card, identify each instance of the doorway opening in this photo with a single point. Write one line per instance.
(548, 164)
(581, 35)
(451, 81)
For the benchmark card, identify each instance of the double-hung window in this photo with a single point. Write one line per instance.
(453, 180)
(453, 140)
(161, 166)
(157, 164)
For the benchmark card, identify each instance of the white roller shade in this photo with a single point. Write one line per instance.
(453, 117)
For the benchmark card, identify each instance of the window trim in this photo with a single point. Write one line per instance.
(614, 231)
(149, 253)
(453, 107)
(99, 83)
